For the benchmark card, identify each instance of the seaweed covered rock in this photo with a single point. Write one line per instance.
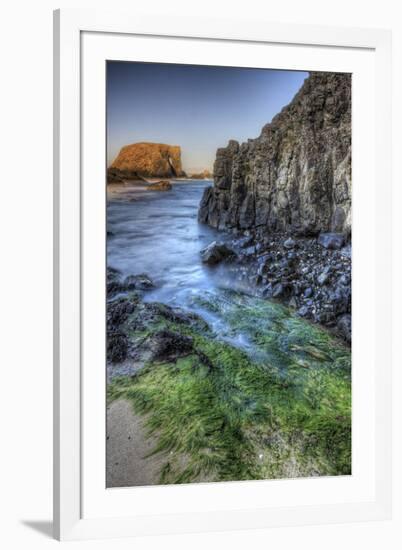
(168, 345)
(116, 283)
(141, 332)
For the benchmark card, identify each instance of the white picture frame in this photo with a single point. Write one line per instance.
(83, 507)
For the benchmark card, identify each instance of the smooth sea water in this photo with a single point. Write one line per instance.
(157, 233)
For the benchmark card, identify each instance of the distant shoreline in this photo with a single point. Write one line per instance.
(119, 188)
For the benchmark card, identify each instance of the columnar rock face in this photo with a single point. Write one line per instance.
(147, 160)
(296, 176)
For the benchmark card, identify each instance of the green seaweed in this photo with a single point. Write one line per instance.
(282, 409)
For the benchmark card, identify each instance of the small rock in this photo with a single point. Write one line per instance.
(347, 251)
(331, 241)
(345, 279)
(244, 242)
(281, 290)
(323, 277)
(308, 292)
(249, 251)
(277, 290)
(289, 243)
(293, 302)
(163, 185)
(138, 282)
(325, 317)
(344, 325)
(303, 311)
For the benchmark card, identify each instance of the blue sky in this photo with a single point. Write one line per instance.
(197, 107)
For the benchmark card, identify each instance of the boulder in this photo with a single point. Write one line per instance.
(215, 253)
(160, 186)
(167, 345)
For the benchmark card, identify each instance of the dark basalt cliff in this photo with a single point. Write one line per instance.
(281, 191)
(296, 176)
(142, 160)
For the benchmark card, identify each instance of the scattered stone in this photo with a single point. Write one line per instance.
(323, 277)
(249, 251)
(303, 311)
(347, 251)
(293, 302)
(307, 275)
(344, 325)
(332, 241)
(289, 243)
(308, 292)
(280, 290)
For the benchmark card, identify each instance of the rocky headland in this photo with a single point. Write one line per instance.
(286, 197)
(139, 161)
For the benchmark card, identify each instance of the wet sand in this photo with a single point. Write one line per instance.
(126, 448)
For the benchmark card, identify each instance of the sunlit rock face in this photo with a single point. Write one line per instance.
(296, 176)
(147, 160)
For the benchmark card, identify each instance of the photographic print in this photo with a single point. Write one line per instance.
(228, 276)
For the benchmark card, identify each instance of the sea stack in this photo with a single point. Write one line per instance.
(146, 160)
